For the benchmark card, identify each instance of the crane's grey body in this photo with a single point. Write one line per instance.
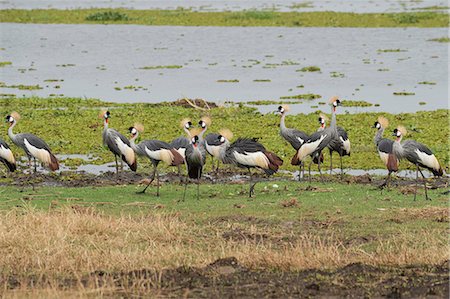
(339, 143)
(180, 144)
(110, 140)
(195, 160)
(385, 148)
(295, 137)
(150, 145)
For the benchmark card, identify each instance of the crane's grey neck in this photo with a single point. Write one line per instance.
(105, 124)
(282, 123)
(132, 142)
(398, 148)
(200, 136)
(333, 118)
(10, 131)
(378, 135)
(187, 132)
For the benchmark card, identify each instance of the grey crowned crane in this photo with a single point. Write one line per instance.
(156, 151)
(195, 160)
(385, 148)
(213, 145)
(340, 143)
(118, 144)
(248, 153)
(418, 154)
(181, 143)
(6, 156)
(33, 146)
(295, 137)
(317, 142)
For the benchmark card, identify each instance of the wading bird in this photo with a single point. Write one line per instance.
(6, 156)
(195, 160)
(181, 143)
(248, 153)
(33, 146)
(213, 145)
(418, 154)
(318, 141)
(156, 151)
(385, 149)
(118, 144)
(295, 137)
(340, 143)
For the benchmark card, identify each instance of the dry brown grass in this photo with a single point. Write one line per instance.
(44, 250)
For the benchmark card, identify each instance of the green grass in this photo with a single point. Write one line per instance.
(184, 17)
(72, 126)
(440, 39)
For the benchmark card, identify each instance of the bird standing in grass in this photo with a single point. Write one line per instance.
(118, 144)
(317, 142)
(213, 145)
(181, 143)
(6, 156)
(195, 160)
(156, 151)
(385, 148)
(340, 143)
(33, 146)
(295, 137)
(418, 154)
(248, 153)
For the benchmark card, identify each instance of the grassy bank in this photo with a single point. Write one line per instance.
(60, 235)
(243, 18)
(71, 126)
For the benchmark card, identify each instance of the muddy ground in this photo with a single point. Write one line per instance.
(227, 278)
(83, 179)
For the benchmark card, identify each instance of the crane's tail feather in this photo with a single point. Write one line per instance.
(53, 163)
(274, 162)
(194, 172)
(392, 163)
(295, 160)
(11, 166)
(132, 164)
(177, 157)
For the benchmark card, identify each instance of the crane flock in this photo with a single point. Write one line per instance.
(248, 153)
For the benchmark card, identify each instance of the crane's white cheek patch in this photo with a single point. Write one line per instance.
(346, 144)
(39, 153)
(7, 154)
(125, 150)
(252, 159)
(162, 155)
(428, 160)
(309, 148)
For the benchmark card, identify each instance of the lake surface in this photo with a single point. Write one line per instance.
(236, 5)
(106, 61)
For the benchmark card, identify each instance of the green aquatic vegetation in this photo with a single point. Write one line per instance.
(228, 81)
(107, 16)
(262, 80)
(434, 7)
(300, 86)
(306, 96)
(53, 80)
(444, 39)
(427, 83)
(65, 65)
(71, 126)
(306, 4)
(337, 75)
(21, 86)
(403, 93)
(309, 69)
(390, 50)
(422, 103)
(5, 63)
(352, 103)
(230, 18)
(383, 70)
(157, 67)
(270, 102)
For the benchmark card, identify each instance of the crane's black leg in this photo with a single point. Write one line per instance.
(342, 169)
(417, 179)
(424, 185)
(179, 174)
(309, 172)
(300, 172)
(250, 192)
(218, 163)
(117, 165)
(320, 171)
(198, 184)
(151, 180)
(386, 182)
(331, 162)
(35, 166)
(157, 182)
(121, 165)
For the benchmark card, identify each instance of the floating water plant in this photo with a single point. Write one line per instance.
(337, 75)
(228, 81)
(107, 16)
(403, 93)
(5, 63)
(390, 50)
(262, 80)
(427, 83)
(352, 103)
(156, 67)
(440, 39)
(307, 96)
(309, 69)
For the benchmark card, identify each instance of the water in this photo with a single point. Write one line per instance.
(97, 60)
(236, 5)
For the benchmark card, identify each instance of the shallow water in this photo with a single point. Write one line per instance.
(234, 5)
(97, 60)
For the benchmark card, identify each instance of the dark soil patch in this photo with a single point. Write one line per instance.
(226, 278)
